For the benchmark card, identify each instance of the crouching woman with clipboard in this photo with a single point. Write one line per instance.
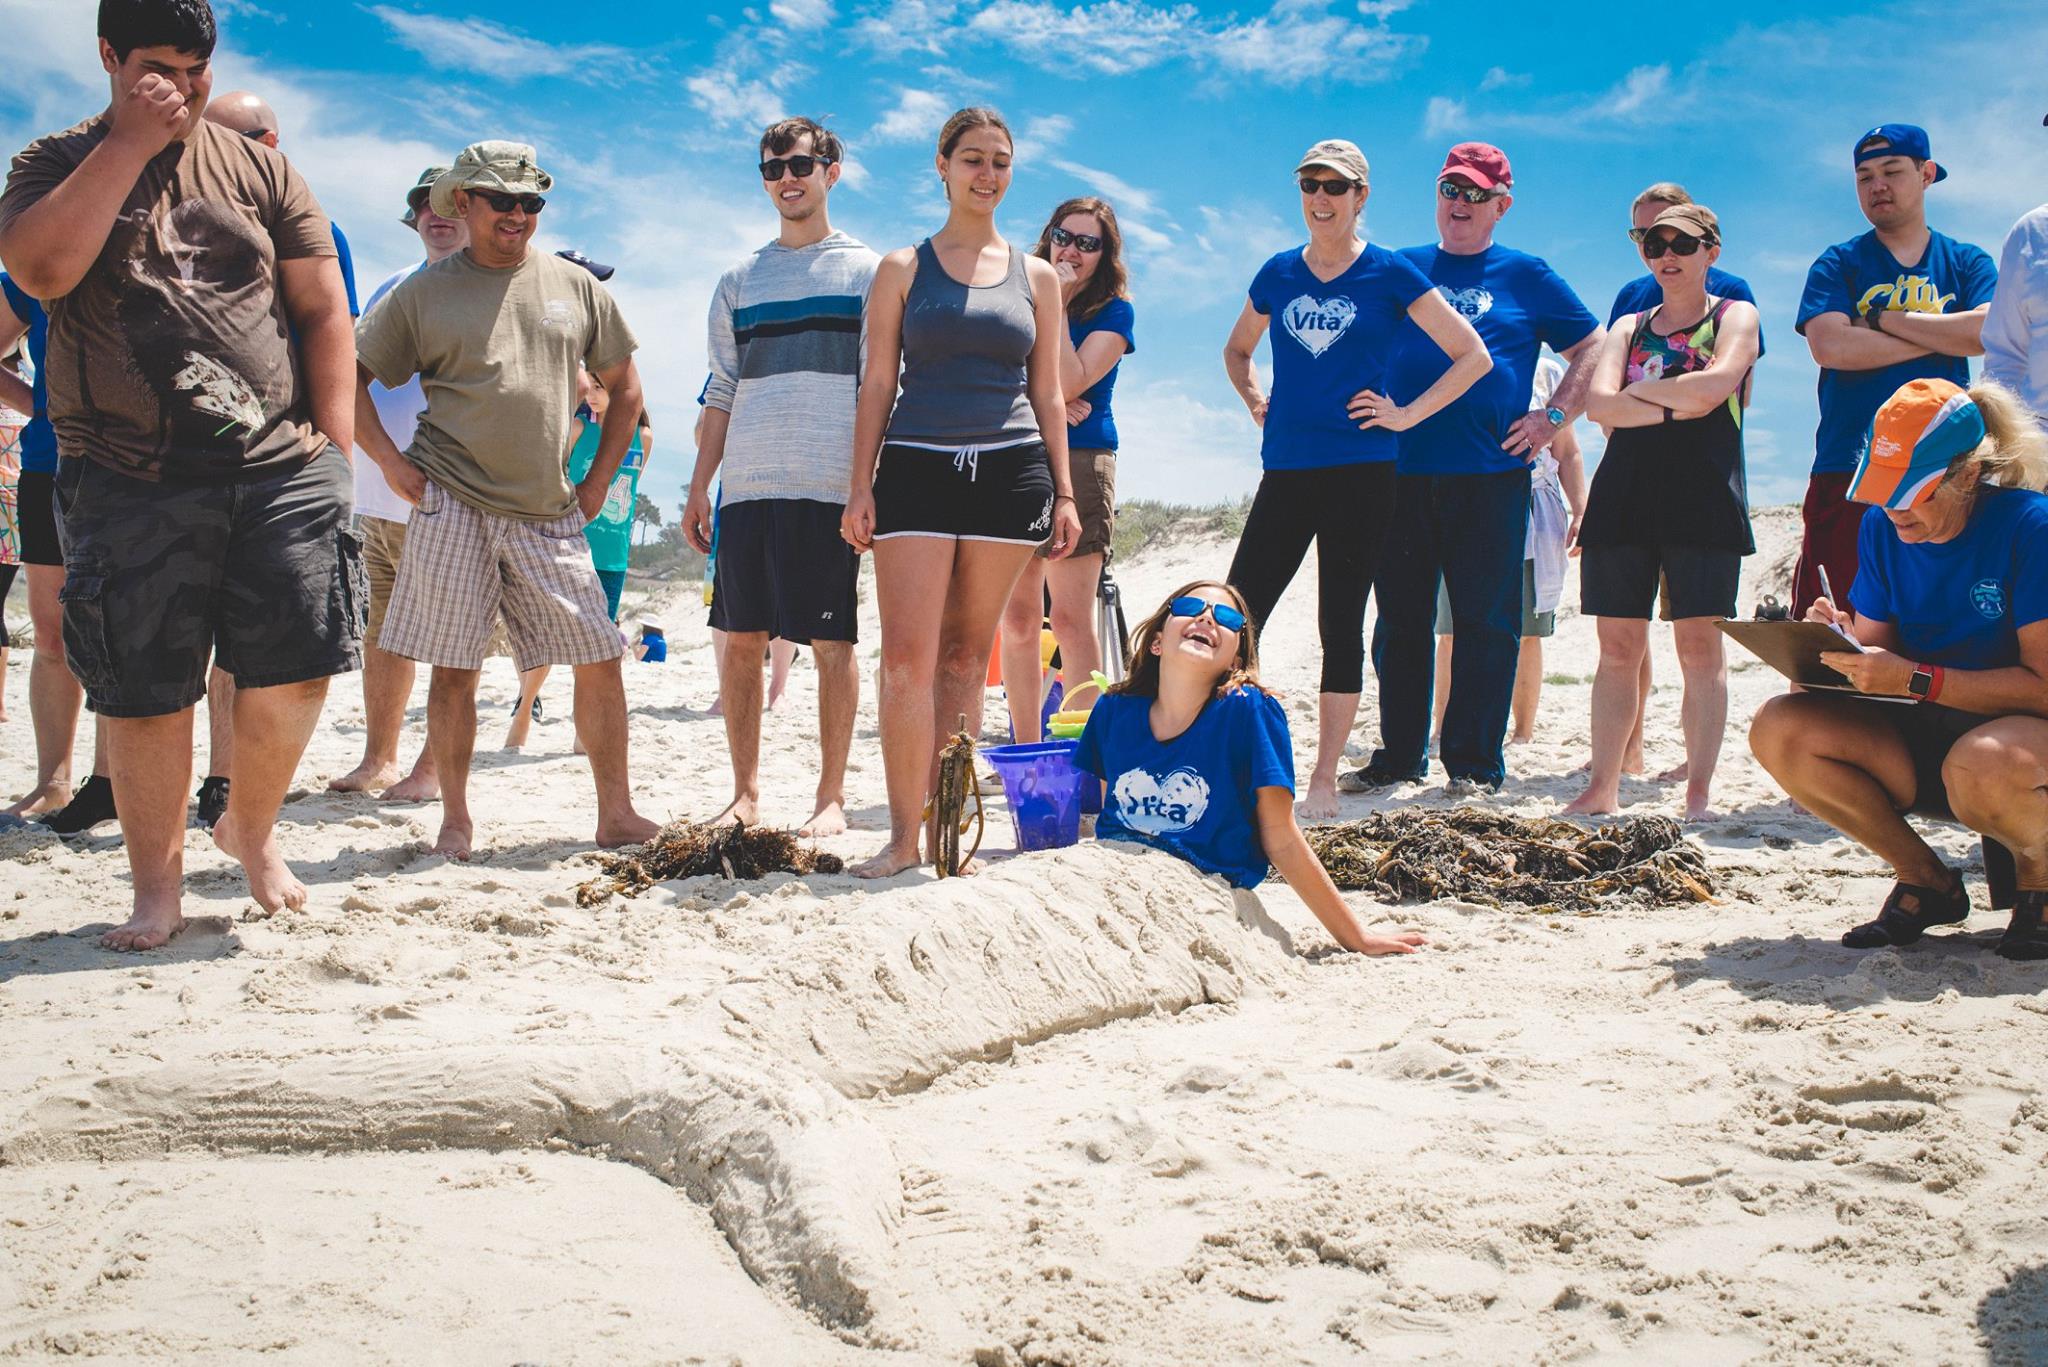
(1950, 605)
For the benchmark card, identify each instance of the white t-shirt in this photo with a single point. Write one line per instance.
(399, 409)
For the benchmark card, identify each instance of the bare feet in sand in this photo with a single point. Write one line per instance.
(1321, 802)
(829, 819)
(414, 787)
(271, 881)
(744, 810)
(1590, 803)
(628, 828)
(1676, 774)
(454, 840)
(49, 798)
(890, 862)
(151, 927)
(1698, 807)
(364, 777)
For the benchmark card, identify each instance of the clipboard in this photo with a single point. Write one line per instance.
(1794, 650)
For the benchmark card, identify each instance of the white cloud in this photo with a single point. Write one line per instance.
(1500, 78)
(1110, 37)
(1177, 447)
(916, 117)
(803, 14)
(726, 98)
(1637, 89)
(489, 48)
(1037, 136)
(1444, 117)
(1275, 45)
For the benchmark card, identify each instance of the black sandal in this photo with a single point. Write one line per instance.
(1895, 925)
(2027, 936)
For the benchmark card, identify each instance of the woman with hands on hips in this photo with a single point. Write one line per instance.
(1950, 608)
(1335, 305)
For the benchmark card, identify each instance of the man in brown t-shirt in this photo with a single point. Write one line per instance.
(200, 388)
(497, 333)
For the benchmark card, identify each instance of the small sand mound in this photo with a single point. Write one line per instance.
(1422, 854)
(684, 850)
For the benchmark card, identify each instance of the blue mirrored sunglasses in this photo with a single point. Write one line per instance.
(1226, 616)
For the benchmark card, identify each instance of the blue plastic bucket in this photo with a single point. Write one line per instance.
(1044, 792)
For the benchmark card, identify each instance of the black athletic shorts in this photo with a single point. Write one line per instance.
(38, 514)
(264, 577)
(783, 568)
(1621, 581)
(971, 494)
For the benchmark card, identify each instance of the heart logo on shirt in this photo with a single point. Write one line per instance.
(1317, 324)
(1474, 302)
(1158, 806)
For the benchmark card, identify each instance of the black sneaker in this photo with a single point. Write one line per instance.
(213, 800)
(1375, 776)
(89, 806)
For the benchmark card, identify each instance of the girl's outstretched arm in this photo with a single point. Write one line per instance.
(1304, 873)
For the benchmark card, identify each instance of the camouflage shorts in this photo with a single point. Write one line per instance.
(263, 577)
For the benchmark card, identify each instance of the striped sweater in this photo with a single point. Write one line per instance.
(785, 350)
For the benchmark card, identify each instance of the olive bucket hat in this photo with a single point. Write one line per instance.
(507, 168)
(417, 195)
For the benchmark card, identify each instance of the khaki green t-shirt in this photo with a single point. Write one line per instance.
(173, 359)
(496, 352)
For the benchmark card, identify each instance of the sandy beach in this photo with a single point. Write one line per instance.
(1089, 1108)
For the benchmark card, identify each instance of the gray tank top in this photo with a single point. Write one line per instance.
(964, 354)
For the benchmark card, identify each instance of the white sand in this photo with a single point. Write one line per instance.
(1086, 1109)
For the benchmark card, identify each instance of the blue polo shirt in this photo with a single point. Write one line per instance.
(1644, 292)
(1097, 431)
(1860, 275)
(1519, 305)
(1961, 603)
(38, 438)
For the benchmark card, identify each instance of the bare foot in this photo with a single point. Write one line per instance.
(829, 819)
(49, 798)
(417, 786)
(890, 862)
(153, 924)
(1321, 802)
(271, 881)
(1697, 808)
(627, 828)
(1590, 803)
(744, 810)
(1676, 774)
(717, 708)
(364, 777)
(454, 840)
(1519, 739)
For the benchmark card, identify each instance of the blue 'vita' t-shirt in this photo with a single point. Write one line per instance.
(1330, 339)
(1643, 292)
(1097, 431)
(38, 438)
(1960, 603)
(1519, 305)
(1196, 795)
(1860, 275)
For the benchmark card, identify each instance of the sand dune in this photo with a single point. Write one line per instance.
(1088, 1108)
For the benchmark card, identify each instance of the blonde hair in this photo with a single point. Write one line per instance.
(2014, 452)
(1666, 192)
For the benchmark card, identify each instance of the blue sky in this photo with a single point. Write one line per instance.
(1188, 116)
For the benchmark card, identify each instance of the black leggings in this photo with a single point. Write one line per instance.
(1347, 511)
(6, 583)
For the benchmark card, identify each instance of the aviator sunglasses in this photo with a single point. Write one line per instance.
(1309, 185)
(1471, 194)
(505, 204)
(1086, 242)
(799, 166)
(1681, 243)
(1226, 616)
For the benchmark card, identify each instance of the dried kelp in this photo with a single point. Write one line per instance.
(684, 850)
(1426, 853)
(950, 816)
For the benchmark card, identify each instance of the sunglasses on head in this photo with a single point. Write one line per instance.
(1471, 194)
(1309, 185)
(800, 166)
(1224, 615)
(1684, 244)
(1086, 242)
(505, 204)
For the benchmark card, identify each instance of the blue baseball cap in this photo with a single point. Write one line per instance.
(1897, 140)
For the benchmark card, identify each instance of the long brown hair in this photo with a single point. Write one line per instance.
(1111, 280)
(1141, 674)
(972, 117)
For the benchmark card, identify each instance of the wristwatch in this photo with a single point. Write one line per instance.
(1556, 416)
(1870, 320)
(1925, 685)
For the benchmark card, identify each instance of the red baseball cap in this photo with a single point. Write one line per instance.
(1485, 165)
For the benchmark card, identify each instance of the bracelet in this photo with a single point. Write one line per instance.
(1870, 320)
(1068, 497)
(1667, 411)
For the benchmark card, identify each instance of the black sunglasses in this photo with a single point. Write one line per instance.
(256, 134)
(1471, 194)
(1086, 242)
(505, 204)
(1309, 185)
(800, 167)
(1681, 243)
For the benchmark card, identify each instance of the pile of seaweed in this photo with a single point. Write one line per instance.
(1426, 853)
(684, 850)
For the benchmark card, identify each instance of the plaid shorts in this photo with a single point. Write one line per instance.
(462, 567)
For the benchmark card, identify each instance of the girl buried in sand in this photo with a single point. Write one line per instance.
(1197, 759)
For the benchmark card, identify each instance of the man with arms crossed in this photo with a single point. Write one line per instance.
(199, 351)
(495, 333)
(381, 516)
(785, 352)
(1899, 303)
